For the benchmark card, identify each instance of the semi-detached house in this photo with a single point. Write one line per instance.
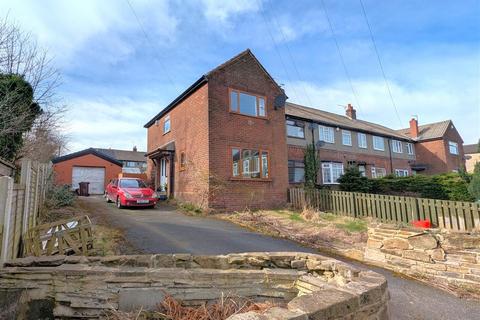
(231, 141)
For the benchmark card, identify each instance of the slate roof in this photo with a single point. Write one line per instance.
(333, 119)
(124, 155)
(470, 148)
(429, 131)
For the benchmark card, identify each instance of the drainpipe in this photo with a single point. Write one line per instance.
(389, 141)
(312, 128)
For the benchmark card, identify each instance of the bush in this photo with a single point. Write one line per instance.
(60, 196)
(352, 180)
(474, 186)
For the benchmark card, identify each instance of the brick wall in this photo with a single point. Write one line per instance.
(189, 132)
(436, 154)
(229, 130)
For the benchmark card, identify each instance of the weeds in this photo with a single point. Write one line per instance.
(353, 226)
(59, 196)
(295, 217)
(191, 208)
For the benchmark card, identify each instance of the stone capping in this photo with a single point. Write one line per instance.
(316, 287)
(447, 259)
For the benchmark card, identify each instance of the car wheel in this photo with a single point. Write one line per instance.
(107, 198)
(119, 204)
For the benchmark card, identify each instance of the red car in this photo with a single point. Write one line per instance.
(130, 192)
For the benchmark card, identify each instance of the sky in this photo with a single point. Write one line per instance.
(122, 61)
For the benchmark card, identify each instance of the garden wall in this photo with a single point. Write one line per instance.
(304, 286)
(450, 260)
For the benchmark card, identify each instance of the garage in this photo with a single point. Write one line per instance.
(89, 165)
(94, 176)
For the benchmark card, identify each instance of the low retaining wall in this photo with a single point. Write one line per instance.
(304, 286)
(450, 260)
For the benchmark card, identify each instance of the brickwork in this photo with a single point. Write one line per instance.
(189, 133)
(229, 130)
(436, 155)
(63, 169)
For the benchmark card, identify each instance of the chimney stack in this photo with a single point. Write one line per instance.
(351, 112)
(414, 128)
(135, 148)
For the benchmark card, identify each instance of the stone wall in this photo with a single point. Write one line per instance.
(449, 260)
(304, 286)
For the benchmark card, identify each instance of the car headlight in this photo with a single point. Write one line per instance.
(127, 195)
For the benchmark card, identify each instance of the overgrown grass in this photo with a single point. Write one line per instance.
(295, 217)
(191, 208)
(353, 226)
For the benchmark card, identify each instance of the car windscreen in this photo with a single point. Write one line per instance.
(132, 183)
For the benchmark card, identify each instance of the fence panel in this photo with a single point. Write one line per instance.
(19, 206)
(447, 214)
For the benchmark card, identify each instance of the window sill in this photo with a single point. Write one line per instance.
(251, 179)
(296, 137)
(330, 183)
(166, 132)
(249, 116)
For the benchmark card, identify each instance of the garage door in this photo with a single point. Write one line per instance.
(96, 177)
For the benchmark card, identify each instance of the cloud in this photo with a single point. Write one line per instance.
(65, 27)
(220, 11)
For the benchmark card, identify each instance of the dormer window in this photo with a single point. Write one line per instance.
(246, 103)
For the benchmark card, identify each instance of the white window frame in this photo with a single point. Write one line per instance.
(331, 166)
(375, 172)
(326, 134)
(362, 140)
(377, 139)
(397, 146)
(165, 128)
(410, 148)
(346, 134)
(402, 172)
(452, 144)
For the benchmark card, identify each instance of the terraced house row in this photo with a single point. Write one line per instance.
(232, 140)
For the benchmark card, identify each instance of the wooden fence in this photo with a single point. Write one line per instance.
(19, 206)
(455, 215)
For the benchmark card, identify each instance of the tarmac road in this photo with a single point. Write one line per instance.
(164, 230)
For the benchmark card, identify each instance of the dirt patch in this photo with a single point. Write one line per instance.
(108, 240)
(312, 228)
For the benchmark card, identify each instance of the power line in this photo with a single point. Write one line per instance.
(291, 58)
(380, 62)
(340, 53)
(140, 24)
(275, 46)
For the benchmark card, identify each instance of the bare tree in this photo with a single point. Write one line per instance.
(21, 55)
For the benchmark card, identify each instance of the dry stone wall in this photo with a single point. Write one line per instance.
(304, 286)
(450, 260)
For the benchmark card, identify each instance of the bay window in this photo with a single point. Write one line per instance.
(250, 163)
(331, 171)
(248, 104)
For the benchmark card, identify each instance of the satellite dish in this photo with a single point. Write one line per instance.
(279, 101)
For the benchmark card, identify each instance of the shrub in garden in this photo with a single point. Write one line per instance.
(474, 186)
(352, 180)
(60, 196)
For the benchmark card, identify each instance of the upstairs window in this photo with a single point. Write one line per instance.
(247, 104)
(346, 138)
(453, 147)
(410, 148)
(362, 140)
(295, 129)
(248, 163)
(326, 134)
(378, 143)
(166, 125)
(397, 146)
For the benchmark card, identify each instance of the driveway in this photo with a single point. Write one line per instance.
(164, 230)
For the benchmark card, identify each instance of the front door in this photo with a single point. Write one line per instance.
(163, 174)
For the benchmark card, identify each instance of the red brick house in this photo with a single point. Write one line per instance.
(439, 147)
(221, 143)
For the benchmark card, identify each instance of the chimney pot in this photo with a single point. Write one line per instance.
(135, 148)
(351, 112)
(414, 128)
